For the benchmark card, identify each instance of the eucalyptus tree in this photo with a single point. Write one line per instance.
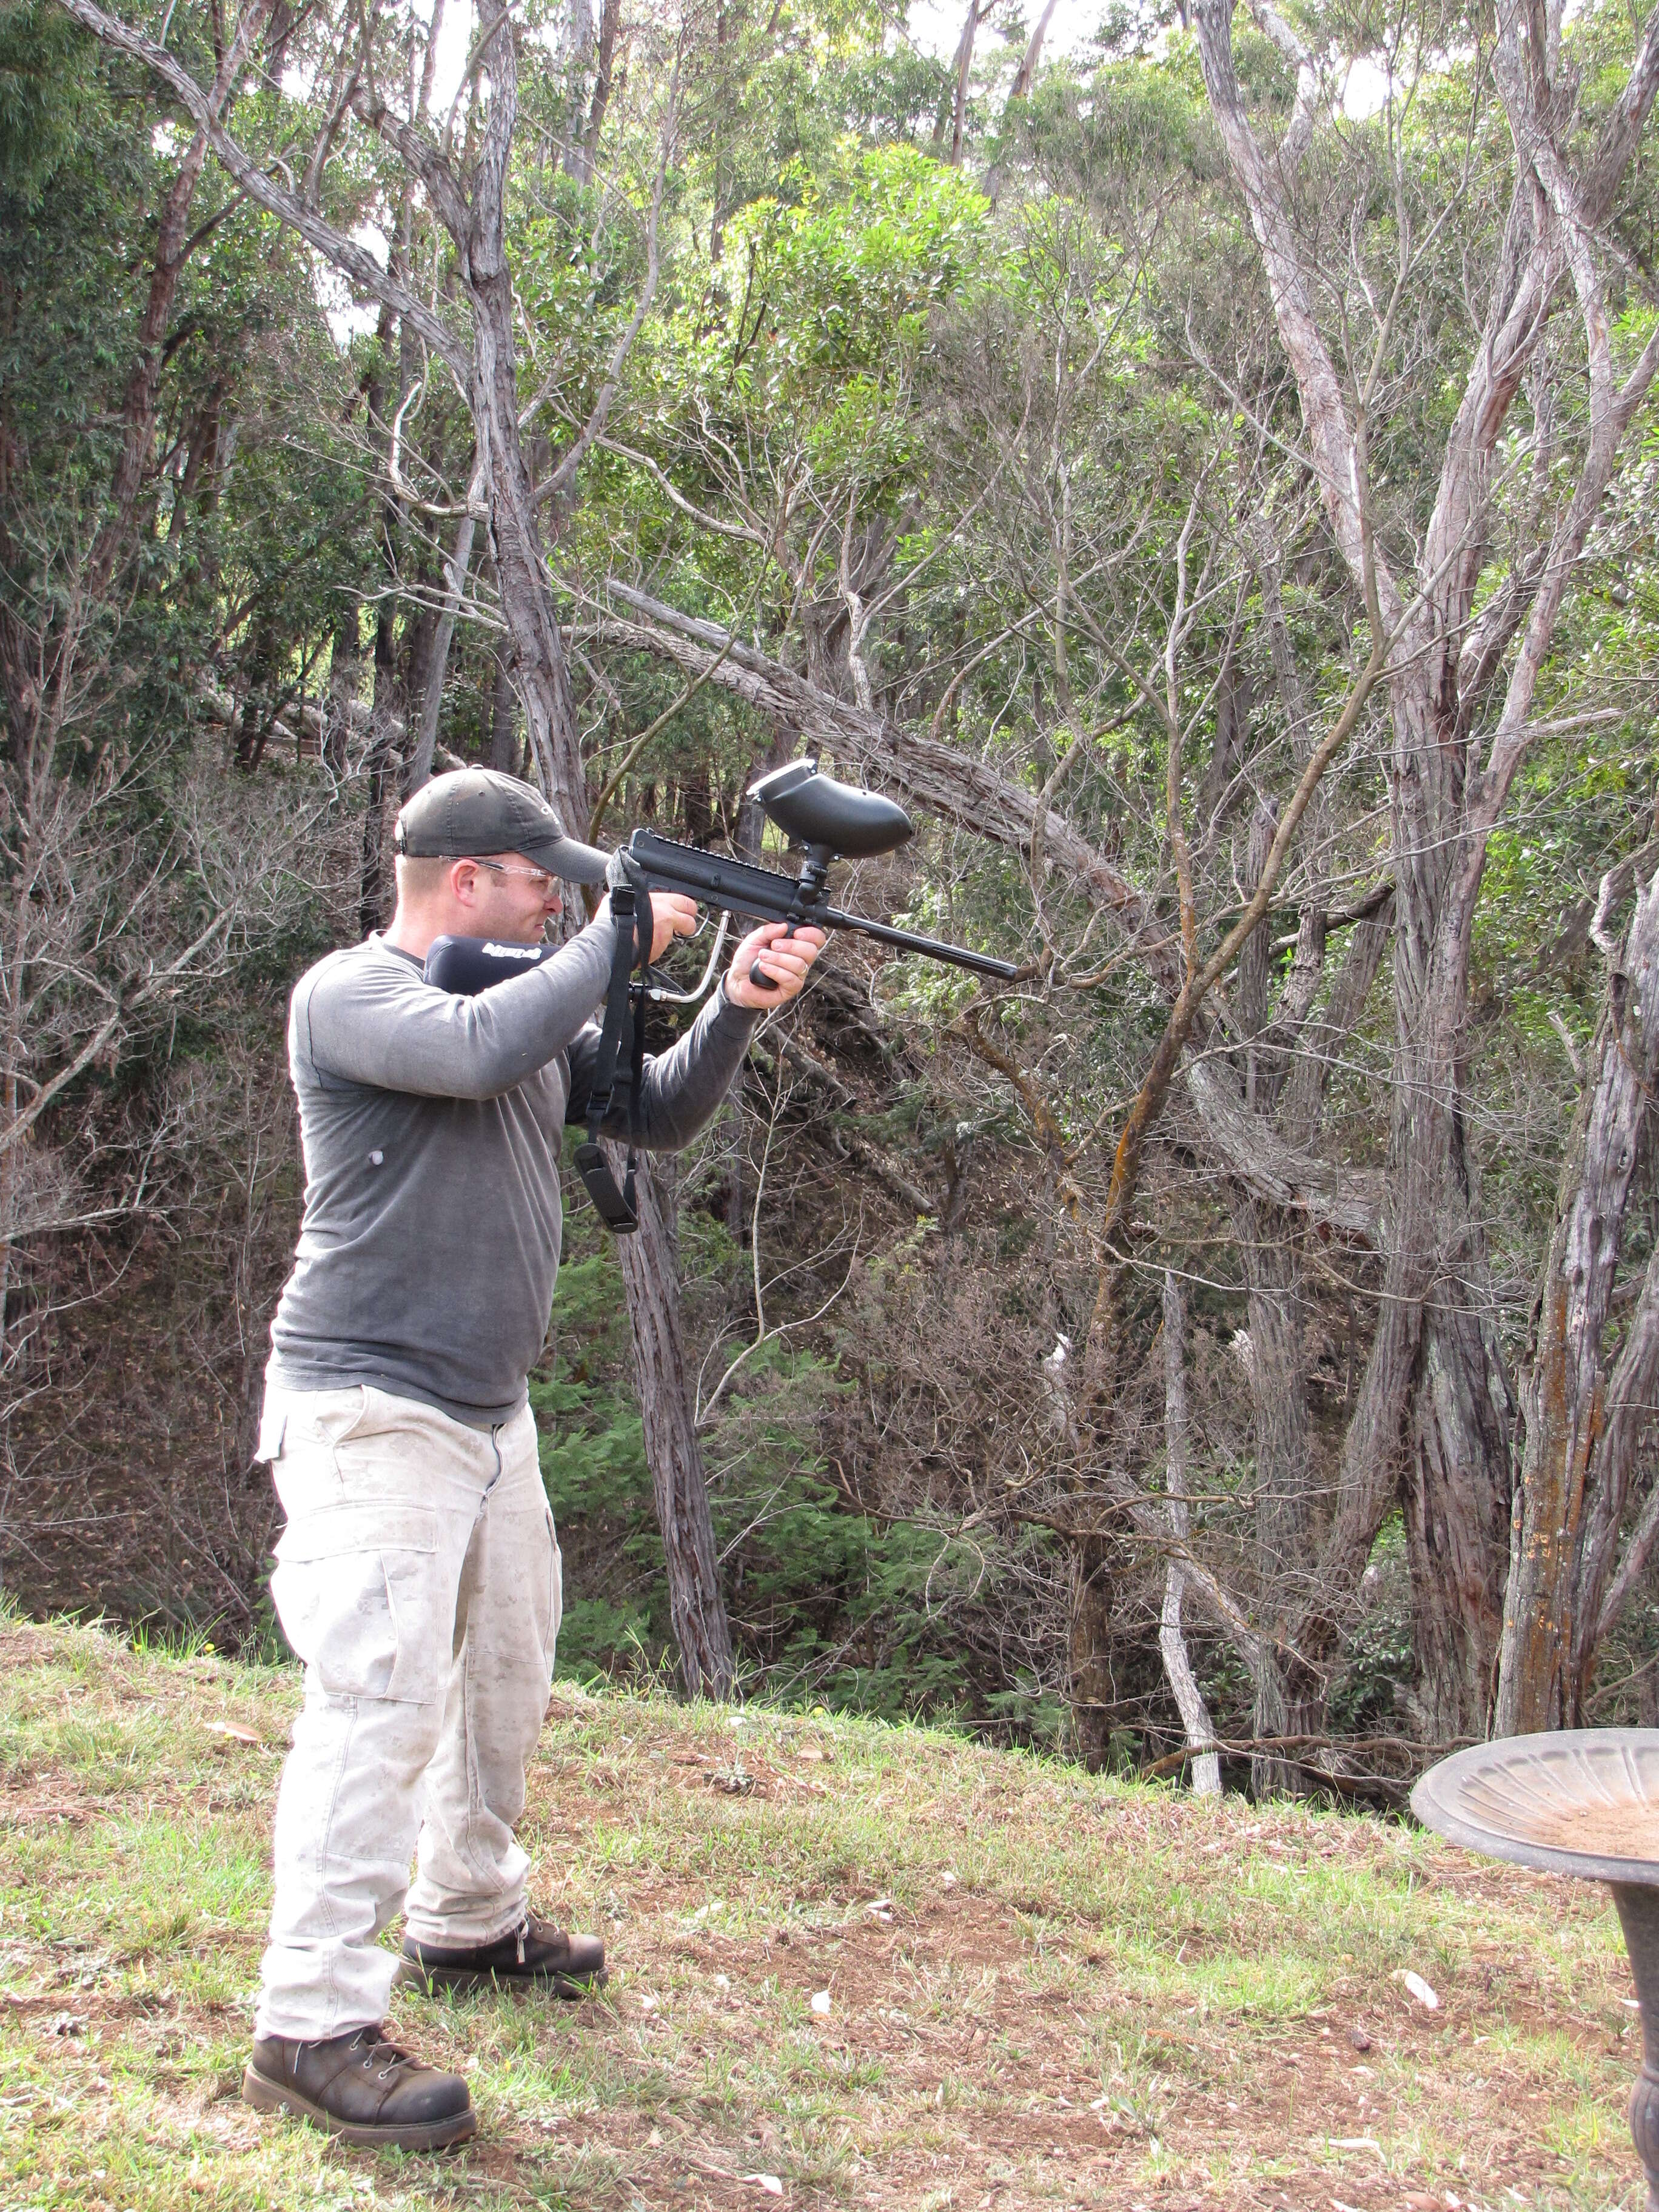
(1194, 523)
(1471, 622)
(894, 475)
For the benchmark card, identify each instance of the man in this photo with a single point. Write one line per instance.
(418, 1577)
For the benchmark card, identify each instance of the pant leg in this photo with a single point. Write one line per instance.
(382, 1497)
(473, 1875)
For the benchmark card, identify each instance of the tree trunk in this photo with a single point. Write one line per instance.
(345, 673)
(650, 1266)
(1103, 1569)
(515, 542)
(649, 1262)
(1456, 1503)
(503, 726)
(379, 772)
(385, 725)
(581, 167)
(172, 249)
(1577, 1465)
(1453, 1412)
(419, 770)
(1268, 1238)
(1432, 1423)
(1189, 1698)
(963, 68)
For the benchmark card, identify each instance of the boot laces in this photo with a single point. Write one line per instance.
(380, 2049)
(520, 1933)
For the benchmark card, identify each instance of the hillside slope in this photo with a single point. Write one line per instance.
(1043, 1989)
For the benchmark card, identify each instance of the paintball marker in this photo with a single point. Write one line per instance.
(828, 820)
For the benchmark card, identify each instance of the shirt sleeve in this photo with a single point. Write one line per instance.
(376, 1020)
(684, 1087)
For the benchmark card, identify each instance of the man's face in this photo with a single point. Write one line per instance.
(506, 896)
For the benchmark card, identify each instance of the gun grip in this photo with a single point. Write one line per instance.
(763, 982)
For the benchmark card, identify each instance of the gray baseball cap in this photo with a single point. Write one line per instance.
(475, 810)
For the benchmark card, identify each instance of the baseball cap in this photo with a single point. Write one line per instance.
(474, 811)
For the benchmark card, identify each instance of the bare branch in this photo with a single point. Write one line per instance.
(351, 259)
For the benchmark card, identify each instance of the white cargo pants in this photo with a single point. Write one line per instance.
(419, 1578)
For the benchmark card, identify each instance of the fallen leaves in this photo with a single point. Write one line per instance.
(1419, 1988)
(234, 1732)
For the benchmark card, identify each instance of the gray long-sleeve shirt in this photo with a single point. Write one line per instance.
(431, 1127)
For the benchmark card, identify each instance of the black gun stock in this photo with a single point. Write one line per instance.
(766, 895)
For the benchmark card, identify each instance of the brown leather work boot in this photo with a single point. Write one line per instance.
(361, 2087)
(533, 1955)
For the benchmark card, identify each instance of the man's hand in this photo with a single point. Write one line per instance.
(784, 961)
(672, 915)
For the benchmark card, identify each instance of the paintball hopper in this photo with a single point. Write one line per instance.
(830, 819)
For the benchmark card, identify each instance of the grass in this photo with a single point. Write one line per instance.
(1044, 1989)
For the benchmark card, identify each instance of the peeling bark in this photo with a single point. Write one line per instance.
(1578, 1462)
(650, 1266)
(1189, 1698)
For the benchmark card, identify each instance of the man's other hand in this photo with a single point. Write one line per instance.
(783, 961)
(672, 915)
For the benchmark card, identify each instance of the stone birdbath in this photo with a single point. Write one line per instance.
(1581, 1802)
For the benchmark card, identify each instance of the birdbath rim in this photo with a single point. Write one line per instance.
(1524, 1797)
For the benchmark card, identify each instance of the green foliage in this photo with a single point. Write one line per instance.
(1003, 402)
(826, 1602)
(46, 78)
(1380, 1663)
(840, 275)
(593, 1463)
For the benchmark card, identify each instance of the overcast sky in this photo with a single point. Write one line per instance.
(936, 25)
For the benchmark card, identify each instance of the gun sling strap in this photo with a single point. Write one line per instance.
(623, 1031)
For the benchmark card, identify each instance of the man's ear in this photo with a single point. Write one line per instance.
(464, 882)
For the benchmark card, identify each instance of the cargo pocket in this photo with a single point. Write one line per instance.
(356, 1590)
